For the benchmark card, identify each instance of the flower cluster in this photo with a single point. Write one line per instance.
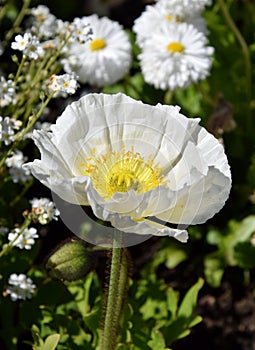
(23, 239)
(62, 85)
(172, 37)
(7, 92)
(17, 172)
(43, 210)
(20, 287)
(8, 126)
(29, 44)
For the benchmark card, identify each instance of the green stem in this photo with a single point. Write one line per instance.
(123, 286)
(8, 247)
(242, 42)
(168, 97)
(18, 20)
(19, 69)
(111, 322)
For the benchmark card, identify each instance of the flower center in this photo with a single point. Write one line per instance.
(175, 46)
(97, 44)
(177, 19)
(121, 172)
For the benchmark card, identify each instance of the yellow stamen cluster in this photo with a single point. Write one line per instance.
(97, 44)
(121, 172)
(175, 46)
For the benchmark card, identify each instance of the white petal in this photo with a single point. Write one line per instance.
(201, 200)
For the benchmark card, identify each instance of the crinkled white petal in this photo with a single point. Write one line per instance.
(109, 64)
(106, 121)
(171, 70)
(54, 172)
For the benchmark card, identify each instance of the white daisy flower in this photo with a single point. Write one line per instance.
(187, 5)
(25, 240)
(105, 59)
(20, 287)
(137, 166)
(175, 57)
(154, 16)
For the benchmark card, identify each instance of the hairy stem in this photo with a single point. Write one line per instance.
(111, 322)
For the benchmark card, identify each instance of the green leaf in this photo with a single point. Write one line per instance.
(172, 302)
(51, 342)
(157, 340)
(188, 304)
(244, 255)
(214, 265)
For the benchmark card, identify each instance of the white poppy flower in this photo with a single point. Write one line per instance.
(175, 57)
(137, 166)
(154, 16)
(107, 57)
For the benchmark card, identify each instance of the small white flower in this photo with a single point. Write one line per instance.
(14, 163)
(21, 42)
(44, 23)
(154, 16)
(44, 210)
(20, 287)
(105, 59)
(81, 31)
(7, 127)
(62, 84)
(41, 12)
(16, 159)
(29, 44)
(7, 92)
(25, 240)
(137, 166)
(175, 57)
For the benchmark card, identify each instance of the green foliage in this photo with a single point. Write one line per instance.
(155, 320)
(233, 249)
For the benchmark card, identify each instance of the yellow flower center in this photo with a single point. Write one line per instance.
(121, 172)
(97, 44)
(177, 19)
(169, 17)
(175, 46)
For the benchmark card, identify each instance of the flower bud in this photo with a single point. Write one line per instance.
(70, 262)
